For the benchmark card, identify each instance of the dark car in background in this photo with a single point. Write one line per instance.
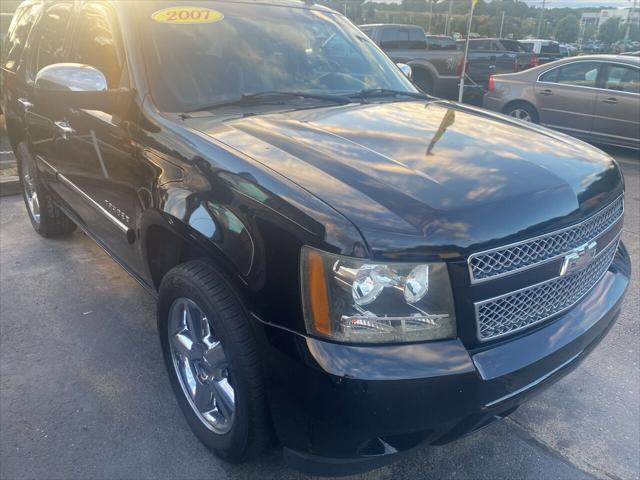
(341, 262)
(489, 56)
(594, 97)
(435, 70)
(546, 50)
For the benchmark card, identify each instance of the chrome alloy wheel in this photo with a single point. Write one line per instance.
(201, 366)
(29, 186)
(520, 114)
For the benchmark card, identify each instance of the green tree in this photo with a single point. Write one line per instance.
(414, 5)
(634, 33)
(369, 13)
(567, 29)
(589, 33)
(610, 30)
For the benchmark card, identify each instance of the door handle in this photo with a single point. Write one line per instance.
(26, 104)
(546, 91)
(611, 100)
(64, 129)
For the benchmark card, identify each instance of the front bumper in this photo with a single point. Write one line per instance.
(341, 409)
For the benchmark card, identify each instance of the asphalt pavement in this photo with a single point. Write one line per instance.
(84, 393)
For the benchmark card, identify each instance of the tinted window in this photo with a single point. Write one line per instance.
(550, 76)
(17, 37)
(51, 34)
(623, 79)
(583, 74)
(528, 47)
(550, 48)
(403, 38)
(441, 43)
(480, 45)
(512, 46)
(95, 44)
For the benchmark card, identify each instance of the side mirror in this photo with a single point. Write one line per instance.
(72, 85)
(406, 70)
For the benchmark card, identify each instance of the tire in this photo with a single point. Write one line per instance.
(223, 354)
(46, 217)
(522, 111)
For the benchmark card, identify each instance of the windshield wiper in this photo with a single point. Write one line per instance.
(386, 92)
(255, 98)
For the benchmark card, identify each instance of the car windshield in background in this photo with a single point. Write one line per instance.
(222, 51)
(440, 43)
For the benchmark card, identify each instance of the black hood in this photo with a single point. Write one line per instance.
(429, 174)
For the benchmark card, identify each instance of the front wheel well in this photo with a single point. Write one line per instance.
(166, 250)
(423, 78)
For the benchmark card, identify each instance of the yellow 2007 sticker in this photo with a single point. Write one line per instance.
(185, 15)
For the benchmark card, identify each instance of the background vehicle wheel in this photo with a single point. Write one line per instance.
(522, 111)
(46, 217)
(425, 83)
(210, 354)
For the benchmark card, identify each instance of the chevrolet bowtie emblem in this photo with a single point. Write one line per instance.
(578, 258)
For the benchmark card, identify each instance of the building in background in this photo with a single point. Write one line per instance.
(594, 20)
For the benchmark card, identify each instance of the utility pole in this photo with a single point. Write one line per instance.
(430, 15)
(501, 25)
(466, 52)
(629, 18)
(446, 24)
(540, 18)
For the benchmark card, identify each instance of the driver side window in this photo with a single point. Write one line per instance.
(51, 32)
(95, 44)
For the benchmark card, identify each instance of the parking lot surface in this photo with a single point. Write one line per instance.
(84, 393)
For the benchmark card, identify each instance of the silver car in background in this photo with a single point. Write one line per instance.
(594, 97)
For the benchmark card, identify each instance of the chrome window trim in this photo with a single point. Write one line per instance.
(581, 86)
(475, 281)
(477, 305)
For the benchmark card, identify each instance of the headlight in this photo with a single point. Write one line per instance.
(354, 300)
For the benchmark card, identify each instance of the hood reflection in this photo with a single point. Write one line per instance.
(432, 170)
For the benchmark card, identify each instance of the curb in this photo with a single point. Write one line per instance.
(9, 186)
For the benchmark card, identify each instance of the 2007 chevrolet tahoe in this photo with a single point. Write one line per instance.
(341, 262)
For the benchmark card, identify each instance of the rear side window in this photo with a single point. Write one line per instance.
(622, 78)
(51, 35)
(550, 48)
(512, 46)
(581, 74)
(481, 45)
(95, 44)
(403, 39)
(441, 43)
(16, 39)
(528, 47)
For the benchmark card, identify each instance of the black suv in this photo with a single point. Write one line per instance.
(341, 262)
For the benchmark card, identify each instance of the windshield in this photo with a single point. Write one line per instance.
(256, 48)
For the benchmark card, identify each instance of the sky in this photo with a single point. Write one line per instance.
(565, 3)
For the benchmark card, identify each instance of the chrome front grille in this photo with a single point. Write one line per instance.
(503, 261)
(521, 309)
